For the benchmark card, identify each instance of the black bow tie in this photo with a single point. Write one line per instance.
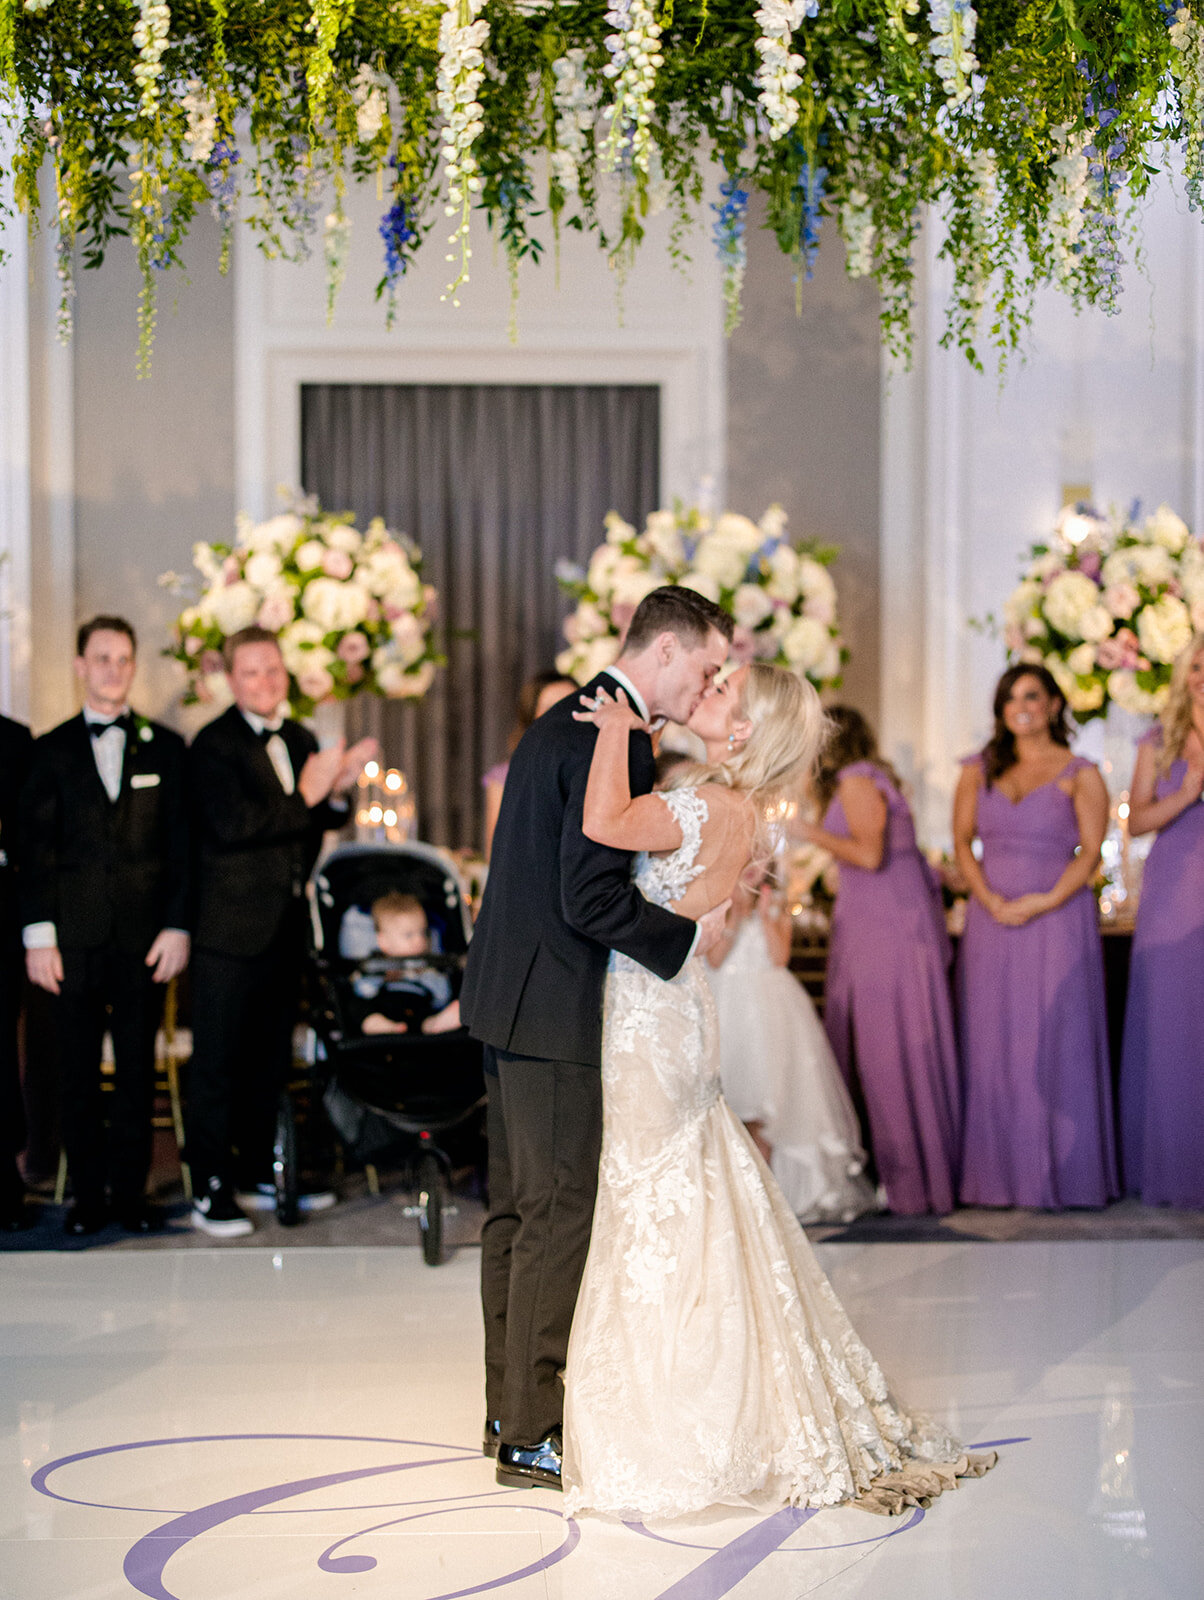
(125, 722)
(265, 733)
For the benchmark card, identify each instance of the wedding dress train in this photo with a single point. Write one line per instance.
(710, 1362)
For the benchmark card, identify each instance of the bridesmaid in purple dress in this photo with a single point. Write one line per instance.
(1030, 977)
(1162, 1068)
(887, 1007)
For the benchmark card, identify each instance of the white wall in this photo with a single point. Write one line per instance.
(973, 470)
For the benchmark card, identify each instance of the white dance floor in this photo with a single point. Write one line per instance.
(203, 1425)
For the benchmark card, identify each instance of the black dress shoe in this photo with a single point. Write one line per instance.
(534, 1466)
(492, 1436)
(137, 1216)
(16, 1216)
(85, 1217)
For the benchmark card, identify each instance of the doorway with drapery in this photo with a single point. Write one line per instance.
(496, 484)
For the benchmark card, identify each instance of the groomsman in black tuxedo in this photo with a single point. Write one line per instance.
(16, 744)
(104, 882)
(263, 795)
(554, 907)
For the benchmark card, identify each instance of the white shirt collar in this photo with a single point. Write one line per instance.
(261, 724)
(633, 694)
(98, 718)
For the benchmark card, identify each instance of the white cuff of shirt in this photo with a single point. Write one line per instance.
(693, 942)
(40, 936)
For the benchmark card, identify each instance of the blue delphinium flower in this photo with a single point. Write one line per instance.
(731, 221)
(810, 182)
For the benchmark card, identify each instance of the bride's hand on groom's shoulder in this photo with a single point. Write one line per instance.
(605, 710)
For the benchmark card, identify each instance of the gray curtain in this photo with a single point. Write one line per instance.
(496, 484)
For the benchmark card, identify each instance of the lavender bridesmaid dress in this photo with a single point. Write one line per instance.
(887, 1008)
(1032, 1019)
(1162, 1067)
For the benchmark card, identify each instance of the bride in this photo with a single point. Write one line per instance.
(710, 1362)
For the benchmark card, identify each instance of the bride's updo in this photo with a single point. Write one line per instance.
(788, 731)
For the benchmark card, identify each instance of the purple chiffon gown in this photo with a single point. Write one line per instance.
(1032, 1019)
(887, 1008)
(1162, 1068)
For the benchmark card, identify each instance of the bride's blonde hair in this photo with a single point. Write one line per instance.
(1176, 714)
(789, 729)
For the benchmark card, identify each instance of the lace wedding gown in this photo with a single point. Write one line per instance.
(710, 1362)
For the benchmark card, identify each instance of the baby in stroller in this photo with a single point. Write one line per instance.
(394, 991)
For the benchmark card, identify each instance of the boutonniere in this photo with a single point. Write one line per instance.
(144, 730)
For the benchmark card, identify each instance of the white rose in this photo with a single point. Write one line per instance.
(416, 683)
(569, 662)
(343, 538)
(740, 532)
(828, 665)
(724, 562)
(408, 637)
(309, 555)
(1068, 599)
(1021, 604)
(701, 584)
(1167, 529)
(1081, 660)
(631, 587)
(783, 575)
(1122, 600)
(315, 681)
(1164, 628)
(262, 569)
(1060, 674)
(1088, 699)
(214, 689)
(404, 591)
(587, 622)
(231, 606)
(1045, 566)
(276, 534)
(1129, 696)
(617, 531)
(815, 581)
(1096, 624)
(601, 569)
(805, 643)
(205, 561)
(597, 655)
(751, 605)
(335, 606)
(773, 522)
(663, 539)
(1191, 572)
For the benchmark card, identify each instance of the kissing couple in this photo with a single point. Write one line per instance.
(709, 1361)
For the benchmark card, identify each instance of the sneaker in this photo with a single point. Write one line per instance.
(262, 1197)
(214, 1212)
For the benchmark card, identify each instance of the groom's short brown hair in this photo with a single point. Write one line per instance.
(680, 611)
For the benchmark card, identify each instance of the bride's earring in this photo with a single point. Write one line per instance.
(731, 741)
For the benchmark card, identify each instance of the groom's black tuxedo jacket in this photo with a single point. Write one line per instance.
(107, 874)
(556, 904)
(256, 845)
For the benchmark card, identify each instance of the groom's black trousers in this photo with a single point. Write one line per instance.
(545, 1136)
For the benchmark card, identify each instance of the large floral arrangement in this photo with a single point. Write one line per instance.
(1034, 128)
(349, 608)
(781, 594)
(1107, 606)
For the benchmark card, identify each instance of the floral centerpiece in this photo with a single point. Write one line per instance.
(781, 594)
(1107, 606)
(350, 609)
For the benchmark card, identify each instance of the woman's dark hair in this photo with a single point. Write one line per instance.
(528, 701)
(851, 739)
(999, 754)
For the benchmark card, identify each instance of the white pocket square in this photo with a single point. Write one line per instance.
(144, 780)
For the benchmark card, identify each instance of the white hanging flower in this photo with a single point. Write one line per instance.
(34, 6)
(1187, 40)
(954, 24)
(1068, 193)
(634, 58)
(200, 109)
(369, 91)
(150, 39)
(858, 231)
(576, 109)
(780, 71)
(461, 73)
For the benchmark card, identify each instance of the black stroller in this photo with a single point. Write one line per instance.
(397, 1095)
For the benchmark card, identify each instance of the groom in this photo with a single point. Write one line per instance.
(555, 905)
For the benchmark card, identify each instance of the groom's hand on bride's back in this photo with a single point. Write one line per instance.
(710, 928)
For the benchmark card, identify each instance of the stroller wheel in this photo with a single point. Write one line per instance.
(285, 1172)
(432, 1194)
